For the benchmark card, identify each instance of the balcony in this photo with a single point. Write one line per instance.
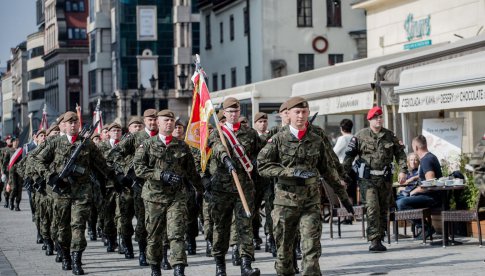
(101, 21)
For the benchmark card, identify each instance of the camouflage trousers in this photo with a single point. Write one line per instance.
(109, 214)
(172, 218)
(376, 194)
(72, 217)
(233, 238)
(96, 214)
(286, 220)
(127, 212)
(268, 208)
(258, 201)
(208, 222)
(192, 215)
(222, 208)
(46, 211)
(140, 229)
(16, 192)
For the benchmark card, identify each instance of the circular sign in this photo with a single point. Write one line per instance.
(320, 44)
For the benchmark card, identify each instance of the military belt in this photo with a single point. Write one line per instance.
(297, 181)
(377, 172)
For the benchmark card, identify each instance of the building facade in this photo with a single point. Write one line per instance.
(19, 85)
(249, 41)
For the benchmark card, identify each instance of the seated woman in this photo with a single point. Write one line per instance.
(412, 177)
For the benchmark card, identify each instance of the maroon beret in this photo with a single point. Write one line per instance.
(375, 111)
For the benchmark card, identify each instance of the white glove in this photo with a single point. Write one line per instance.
(4, 178)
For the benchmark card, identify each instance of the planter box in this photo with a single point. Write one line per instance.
(473, 229)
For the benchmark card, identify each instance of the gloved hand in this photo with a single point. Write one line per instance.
(125, 181)
(58, 185)
(348, 206)
(304, 174)
(170, 179)
(229, 164)
(117, 185)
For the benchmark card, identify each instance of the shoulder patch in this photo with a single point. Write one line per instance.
(270, 140)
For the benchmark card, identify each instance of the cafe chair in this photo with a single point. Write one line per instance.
(463, 216)
(337, 210)
(423, 214)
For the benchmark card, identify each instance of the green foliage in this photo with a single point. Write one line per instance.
(469, 195)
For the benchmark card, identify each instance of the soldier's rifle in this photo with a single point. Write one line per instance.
(71, 166)
(313, 118)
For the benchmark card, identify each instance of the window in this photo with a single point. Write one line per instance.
(231, 27)
(248, 74)
(305, 62)
(208, 44)
(83, 34)
(81, 6)
(70, 34)
(304, 13)
(214, 82)
(73, 67)
(221, 32)
(335, 58)
(334, 13)
(92, 46)
(75, 7)
(233, 77)
(223, 81)
(68, 6)
(77, 33)
(246, 21)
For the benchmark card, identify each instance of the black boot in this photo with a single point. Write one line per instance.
(17, 206)
(44, 245)
(191, 246)
(49, 247)
(272, 246)
(59, 253)
(236, 258)
(142, 245)
(92, 232)
(179, 270)
(376, 246)
(11, 204)
(7, 201)
(246, 269)
(77, 265)
(156, 270)
(220, 265)
(295, 263)
(298, 250)
(99, 231)
(122, 246)
(66, 259)
(208, 249)
(165, 264)
(111, 244)
(128, 248)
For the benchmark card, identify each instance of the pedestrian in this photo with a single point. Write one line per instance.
(376, 148)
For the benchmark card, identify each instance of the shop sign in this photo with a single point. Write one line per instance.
(445, 99)
(417, 29)
(342, 104)
(444, 138)
(418, 44)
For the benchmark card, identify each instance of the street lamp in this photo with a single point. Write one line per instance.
(165, 90)
(138, 97)
(153, 83)
(182, 80)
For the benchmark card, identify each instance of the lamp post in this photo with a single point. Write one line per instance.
(153, 84)
(183, 81)
(113, 105)
(138, 97)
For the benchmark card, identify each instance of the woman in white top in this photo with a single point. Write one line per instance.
(342, 141)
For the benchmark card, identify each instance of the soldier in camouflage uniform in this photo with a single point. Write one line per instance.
(297, 157)
(3, 153)
(225, 199)
(74, 204)
(123, 154)
(376, 147)
(13, 179)
(164, 162)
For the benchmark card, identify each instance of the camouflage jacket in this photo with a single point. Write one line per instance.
(221, 178)
(53, 156)
(333, 158)
(284, 153)
(153, 157)
(377, 150)
(125, 150)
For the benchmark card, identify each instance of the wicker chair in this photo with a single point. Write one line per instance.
(424, 214)
(463, 215)
(337, 210)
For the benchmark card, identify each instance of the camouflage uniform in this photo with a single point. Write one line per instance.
(297, 201)
(377, 151)
(165, 205)
(6, 153)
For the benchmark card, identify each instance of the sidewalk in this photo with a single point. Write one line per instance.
(19, 254)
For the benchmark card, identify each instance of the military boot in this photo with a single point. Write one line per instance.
(298, 250)
(142, 259)
(208, 248)
(128, 248)
(66, 259)
(49, 247)
(191, 246)
(220, 265)
(121, 245)
(246, 269)
(295, 263)
(59, 253)
(17, 206)
(156, 270)
(236, 258)
(92, 232)
(179, 270)
(272, 244)
(165, 263)
(7, 201)
(111, 244)
(40, 240)
(77, 264)
(11, 204)
(376, 246)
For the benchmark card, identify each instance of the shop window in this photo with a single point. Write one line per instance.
(306, 62)
(304, 13)
(334, 13)
(335, 58)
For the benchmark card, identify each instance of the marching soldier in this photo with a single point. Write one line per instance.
(3, 155)
(225, 199)
(73, 204)
(13, 179)
(165, 162)
(297, 158)
(376, 148)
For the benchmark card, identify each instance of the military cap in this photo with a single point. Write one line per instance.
(40, 131)
(14, 138)
(135, 120)
(230, 102)
(8, 137)
(220, 114)
(95, 135)
(105, 127)
(260, 115)
(283, 107)
(114, 125)
(52, 128)
(180, 122)
(60, 118)
(70, 116)
(296, 102)
(243, 119)
(375, 111)
(150, 113)
(166, 113)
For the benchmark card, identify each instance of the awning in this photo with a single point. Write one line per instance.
(452, 84)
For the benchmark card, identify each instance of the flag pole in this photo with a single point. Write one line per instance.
(223, 140)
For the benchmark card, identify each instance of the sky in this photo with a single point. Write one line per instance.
(17, 20)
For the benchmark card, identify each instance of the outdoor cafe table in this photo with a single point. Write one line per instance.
(444, 191)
